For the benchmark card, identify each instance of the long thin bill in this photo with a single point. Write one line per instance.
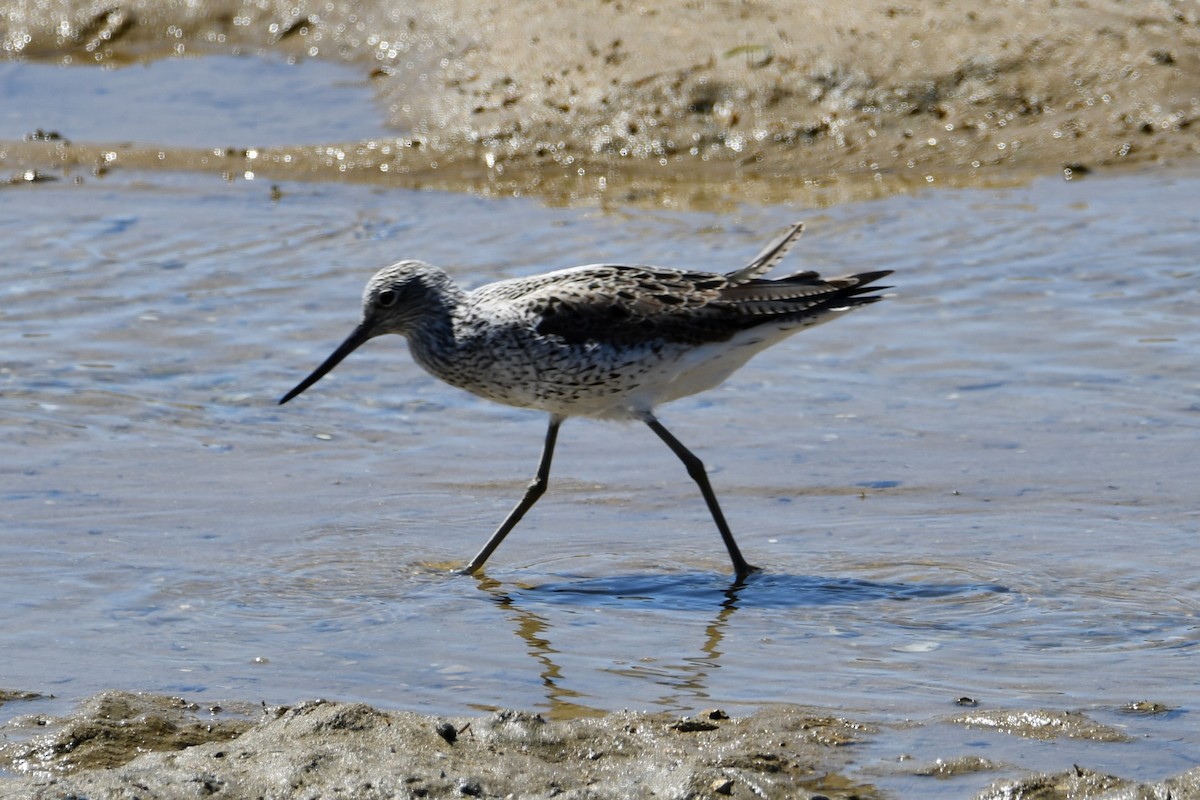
(358, 337)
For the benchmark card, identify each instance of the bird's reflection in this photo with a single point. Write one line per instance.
(719, 597)
(530, 629)
(708, 590)
(690, 681)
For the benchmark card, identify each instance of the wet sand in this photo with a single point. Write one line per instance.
(681, 104)
(127, 745)
(759, 102)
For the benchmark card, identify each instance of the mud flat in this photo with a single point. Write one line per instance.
(680, 103)
(138, 745)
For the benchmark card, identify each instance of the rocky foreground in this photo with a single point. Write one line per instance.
(122, 745)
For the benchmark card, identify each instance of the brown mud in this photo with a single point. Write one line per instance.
(680, 103)
(126, 745)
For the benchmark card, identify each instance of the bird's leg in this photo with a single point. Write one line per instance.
(695, 468)
(536, 488)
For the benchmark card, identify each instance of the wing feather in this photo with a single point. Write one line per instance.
(769, 258)
(621, 305)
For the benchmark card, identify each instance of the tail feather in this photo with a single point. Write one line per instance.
(805, 294)
(804, 285)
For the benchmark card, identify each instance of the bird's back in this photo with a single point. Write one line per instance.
(611, 339)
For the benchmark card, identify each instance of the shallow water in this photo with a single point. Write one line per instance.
(984, 486)
(216, 101)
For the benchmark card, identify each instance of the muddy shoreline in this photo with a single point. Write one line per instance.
(766, 102)
(123, 745)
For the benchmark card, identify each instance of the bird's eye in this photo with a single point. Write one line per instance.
(386, 298)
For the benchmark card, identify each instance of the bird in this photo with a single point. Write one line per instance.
(605, 341)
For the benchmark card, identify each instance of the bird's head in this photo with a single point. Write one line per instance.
(396, 300)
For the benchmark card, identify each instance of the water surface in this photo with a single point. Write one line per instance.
(983, 486)
(216, 101)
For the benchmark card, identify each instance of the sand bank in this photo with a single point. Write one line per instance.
(680, 103)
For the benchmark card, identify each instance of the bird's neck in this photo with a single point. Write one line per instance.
(433, 339)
